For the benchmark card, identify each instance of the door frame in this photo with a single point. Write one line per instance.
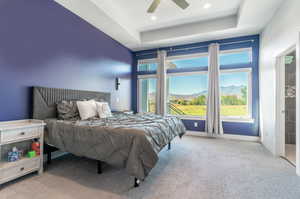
(280, 104)
(298, 105)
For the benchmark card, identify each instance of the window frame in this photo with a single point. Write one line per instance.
(188, 56)
(238, 50)
(193, 117)
(146, 61)
(187, 73)
(249, 117)
(226, 118)
(143, 77)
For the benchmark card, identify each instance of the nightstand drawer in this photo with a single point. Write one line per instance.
(21, 168)
(18, 134)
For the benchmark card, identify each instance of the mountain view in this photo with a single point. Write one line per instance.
(226, 91)
(233, 102)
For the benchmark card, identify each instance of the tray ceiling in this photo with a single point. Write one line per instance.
(129, 23)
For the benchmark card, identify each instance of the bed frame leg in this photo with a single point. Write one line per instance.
(48, 157)
(136, 182)
(99, 167)
(169, 146)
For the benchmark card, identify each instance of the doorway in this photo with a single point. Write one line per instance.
(290, 106)
(286, 105)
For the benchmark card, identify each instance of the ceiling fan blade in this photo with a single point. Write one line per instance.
(181, 3)
(153, 6)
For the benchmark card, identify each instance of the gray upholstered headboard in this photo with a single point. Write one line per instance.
(45, 99)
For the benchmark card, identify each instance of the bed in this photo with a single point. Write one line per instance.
(131, 141)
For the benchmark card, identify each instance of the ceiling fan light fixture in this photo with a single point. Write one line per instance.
(153, 18)
(153, 6)
(207, 6)
(183, 4)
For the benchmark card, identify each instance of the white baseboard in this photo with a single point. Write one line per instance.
(226, 136)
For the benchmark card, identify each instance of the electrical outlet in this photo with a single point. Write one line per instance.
(195, 124)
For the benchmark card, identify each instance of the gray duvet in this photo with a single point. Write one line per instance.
(129, 141)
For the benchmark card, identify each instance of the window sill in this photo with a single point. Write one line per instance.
(242, 120)
(237, 120)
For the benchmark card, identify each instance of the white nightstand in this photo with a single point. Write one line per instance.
(20, 133)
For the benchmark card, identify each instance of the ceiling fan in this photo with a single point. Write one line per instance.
(181, 3)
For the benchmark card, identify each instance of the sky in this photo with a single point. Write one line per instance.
(198, 83)
(186, 85)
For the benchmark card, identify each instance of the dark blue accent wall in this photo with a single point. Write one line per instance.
(239, 128)
(44, 44)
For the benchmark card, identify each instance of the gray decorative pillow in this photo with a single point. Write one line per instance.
(67, 110)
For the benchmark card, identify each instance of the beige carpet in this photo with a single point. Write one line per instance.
(195, 168)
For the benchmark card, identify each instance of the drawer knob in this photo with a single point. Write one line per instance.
(21, 169)
(23, 133)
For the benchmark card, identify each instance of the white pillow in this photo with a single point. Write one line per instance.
(103, 109)
(87, 109)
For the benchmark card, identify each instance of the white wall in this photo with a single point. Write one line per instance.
(280, 34)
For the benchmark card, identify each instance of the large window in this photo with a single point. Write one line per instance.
(240, 56)
(187, 88)
(194, 61)
(147, 65)
(187, 94)
(235, 88)
(147, 94)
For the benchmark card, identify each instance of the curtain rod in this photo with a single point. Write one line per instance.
(192, 48)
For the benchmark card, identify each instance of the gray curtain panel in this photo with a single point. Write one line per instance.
(213, 124)
(162, 84)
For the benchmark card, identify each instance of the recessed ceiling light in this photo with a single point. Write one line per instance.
(207, 5)
(153, 18)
